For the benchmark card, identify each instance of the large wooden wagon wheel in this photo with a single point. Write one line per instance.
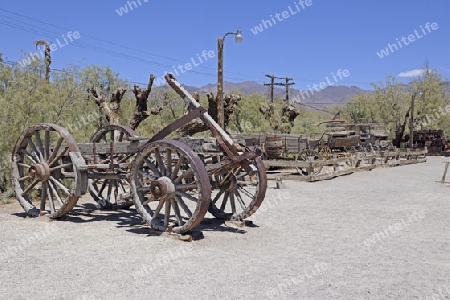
(238, 191)
(45, 169)
(112, 193)
(307, 155)
(170, 186)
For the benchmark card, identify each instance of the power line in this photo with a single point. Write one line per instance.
(123, 46)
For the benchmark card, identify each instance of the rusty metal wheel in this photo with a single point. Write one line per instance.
(112, 193)
(170, 186)
(238, 192)
(45, 169)
(307, 155)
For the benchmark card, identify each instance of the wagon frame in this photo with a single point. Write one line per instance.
(171, 186)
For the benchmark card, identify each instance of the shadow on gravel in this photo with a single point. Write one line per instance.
(129, 218)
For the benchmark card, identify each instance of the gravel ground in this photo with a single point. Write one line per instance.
(382, 234)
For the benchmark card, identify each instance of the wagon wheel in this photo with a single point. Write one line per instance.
(325, 152)
(112, 193)
(305, 155)
(170, 186)
(350, 149)
(369, 148)
(238, 191)
(43, 171)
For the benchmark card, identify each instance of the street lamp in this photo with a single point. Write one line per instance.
(411, 120)
(220, 105)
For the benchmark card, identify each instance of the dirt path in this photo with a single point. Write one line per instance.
(383, 234)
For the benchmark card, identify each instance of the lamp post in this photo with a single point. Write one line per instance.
(220, 104)
(411, 119)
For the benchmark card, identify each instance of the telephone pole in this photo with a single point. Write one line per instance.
(272, 83)
(286, 85)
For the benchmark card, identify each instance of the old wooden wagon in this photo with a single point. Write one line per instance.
(171, 186)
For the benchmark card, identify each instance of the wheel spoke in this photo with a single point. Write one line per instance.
(186, 195)
(167, 213)
(145, 174)
(108, 193)
(152, 167)
(189, 186)
(30, 157)
(24, 178)
(39, 144)
(32, 185)
(35, 150)
(58, 156)
(100, 192)
(241, 202)
(47, 145)
(50, 199)
(60, 185)
(225, 200)
(158, 208)
(183, 205)
(218, 196)
(160, 162)
(43, 198)
(55, 193)
(178, 166)
(249, 194)
(169, 162)
(187, 173)
(60, 167)
(143, 189)
(176, 209)
(233, 204)
(24, 165)
(56, 149)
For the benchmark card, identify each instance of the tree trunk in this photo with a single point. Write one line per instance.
(141, 110)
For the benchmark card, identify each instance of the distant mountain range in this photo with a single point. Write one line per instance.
(328, 97)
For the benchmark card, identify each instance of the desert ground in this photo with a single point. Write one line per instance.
(380, 234)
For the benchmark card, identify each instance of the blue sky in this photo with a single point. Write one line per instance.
(307, 43)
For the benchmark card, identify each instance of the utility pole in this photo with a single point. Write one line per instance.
(272, 83)
(287, 84)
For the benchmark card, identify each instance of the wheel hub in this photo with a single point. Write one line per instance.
(40, 172)
(163, 188)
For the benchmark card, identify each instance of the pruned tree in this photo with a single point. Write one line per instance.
(141, 111)
(111, 110)
(196, 126)
(48, 59)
